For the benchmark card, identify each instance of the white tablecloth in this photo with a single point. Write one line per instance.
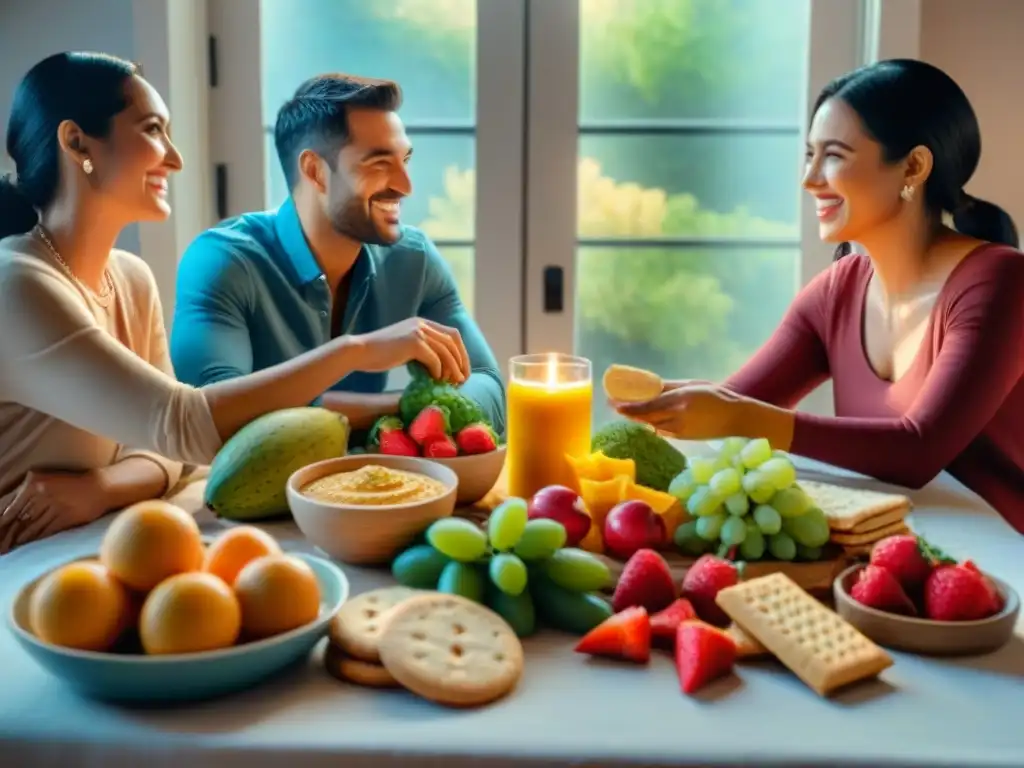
(927, 712)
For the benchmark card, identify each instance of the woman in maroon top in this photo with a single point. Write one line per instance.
(923, 338)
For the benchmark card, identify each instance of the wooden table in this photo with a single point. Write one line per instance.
(956, 713)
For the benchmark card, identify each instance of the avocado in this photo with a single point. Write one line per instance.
(248, 475)
(657, 460)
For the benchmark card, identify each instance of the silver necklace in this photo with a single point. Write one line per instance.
(104, 296)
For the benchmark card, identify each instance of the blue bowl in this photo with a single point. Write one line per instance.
(141, 679)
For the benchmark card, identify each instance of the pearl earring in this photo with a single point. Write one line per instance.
(87, 166)
(908, 193)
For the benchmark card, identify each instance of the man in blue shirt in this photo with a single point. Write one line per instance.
(333, 259)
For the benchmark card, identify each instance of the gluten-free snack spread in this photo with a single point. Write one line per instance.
(815, 643)
(374, 485)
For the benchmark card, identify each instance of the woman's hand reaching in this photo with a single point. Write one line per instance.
(47, 503)
(438, 347)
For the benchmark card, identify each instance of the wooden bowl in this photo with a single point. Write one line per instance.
(925, 636)
(364, 534)
(477, 474)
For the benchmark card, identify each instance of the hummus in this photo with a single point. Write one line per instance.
(375, 486)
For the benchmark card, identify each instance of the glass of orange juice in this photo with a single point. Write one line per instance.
(549, 416)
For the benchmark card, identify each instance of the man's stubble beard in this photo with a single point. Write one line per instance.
(352, 219)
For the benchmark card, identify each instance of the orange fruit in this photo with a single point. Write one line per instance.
(149, 542)
(188, 613)
(277, 593)
(236, 548)
(81, 606)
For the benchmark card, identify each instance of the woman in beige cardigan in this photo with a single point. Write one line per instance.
(91, 416)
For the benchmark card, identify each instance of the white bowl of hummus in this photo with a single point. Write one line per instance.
(365, 509)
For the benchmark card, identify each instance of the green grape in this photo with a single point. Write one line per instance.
(758, 489)
(682, 485)
(419, 567)
(767, 519)
(709, 528)
(506, 524)
(791, 502)
(733, 532)
(725, 482)
(782, 546)
(721, 462)
(753, 545)
(756, 452)
(810, 529)
(508, 573)
(541, 538)
(703, 502)
(737, 504)
(737, 463)
(462, 579)
(458, 539)
(807, 553)
(688, 540)
(577, 570)
(702, 470)
(779, 472)
(731, 446)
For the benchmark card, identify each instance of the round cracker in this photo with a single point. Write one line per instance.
(357, 625)
(451, 650)
(350, 670)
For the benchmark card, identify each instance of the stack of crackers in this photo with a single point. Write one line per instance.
(859, 518)
(773, 616)
(444, 648)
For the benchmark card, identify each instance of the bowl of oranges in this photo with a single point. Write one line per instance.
(162, 614)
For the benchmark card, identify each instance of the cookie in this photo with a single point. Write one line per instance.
(627, 384)
(356, 627)
(350, 670)
(869, 537)
(850, 508)
(747, 647)
(816, 644)
(451, 650)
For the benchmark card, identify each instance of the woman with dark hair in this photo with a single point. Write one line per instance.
(89, 406)
(923, 337)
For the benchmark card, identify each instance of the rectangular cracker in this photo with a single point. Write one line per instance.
(815, 643)
(880, 521)
(747, 646)
(870, 537)
(846, 508)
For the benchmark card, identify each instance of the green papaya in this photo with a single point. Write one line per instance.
(248, 475)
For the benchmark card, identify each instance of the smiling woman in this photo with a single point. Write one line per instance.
(89, 406)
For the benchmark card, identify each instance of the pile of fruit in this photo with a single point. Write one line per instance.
(519, 567)
(157, 589)
(745, 503)
(651, 611)
(909, 576)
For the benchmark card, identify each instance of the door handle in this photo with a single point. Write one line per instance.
(554, 289)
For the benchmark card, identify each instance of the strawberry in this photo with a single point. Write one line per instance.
(702, 583)
(387, 436)
(906, 557)
(476, 438)
(440, 448)
(645, 581)
(665, 622)
(876, 587)
(995, 598)
(703, 653)
(625, 635)
(956, 593)
(430, 424)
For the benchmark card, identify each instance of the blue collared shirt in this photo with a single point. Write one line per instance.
(250, 295)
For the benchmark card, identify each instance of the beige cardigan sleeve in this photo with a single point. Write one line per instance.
(158, 356)
(55, 359)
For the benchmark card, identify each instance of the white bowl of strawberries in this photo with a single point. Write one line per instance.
(474, 453)
(912, 597)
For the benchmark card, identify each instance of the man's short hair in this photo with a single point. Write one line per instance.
(316, 116)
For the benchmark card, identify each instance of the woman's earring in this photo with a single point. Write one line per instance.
(87, 166)
(908, 193)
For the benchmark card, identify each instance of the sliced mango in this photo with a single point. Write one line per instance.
(594, 540)
(597, 466)
(601, 495)
(659, 501)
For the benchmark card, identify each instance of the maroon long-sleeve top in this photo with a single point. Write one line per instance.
(960, 405)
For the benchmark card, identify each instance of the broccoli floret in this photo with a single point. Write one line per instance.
(423, 391)
(657, 460)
